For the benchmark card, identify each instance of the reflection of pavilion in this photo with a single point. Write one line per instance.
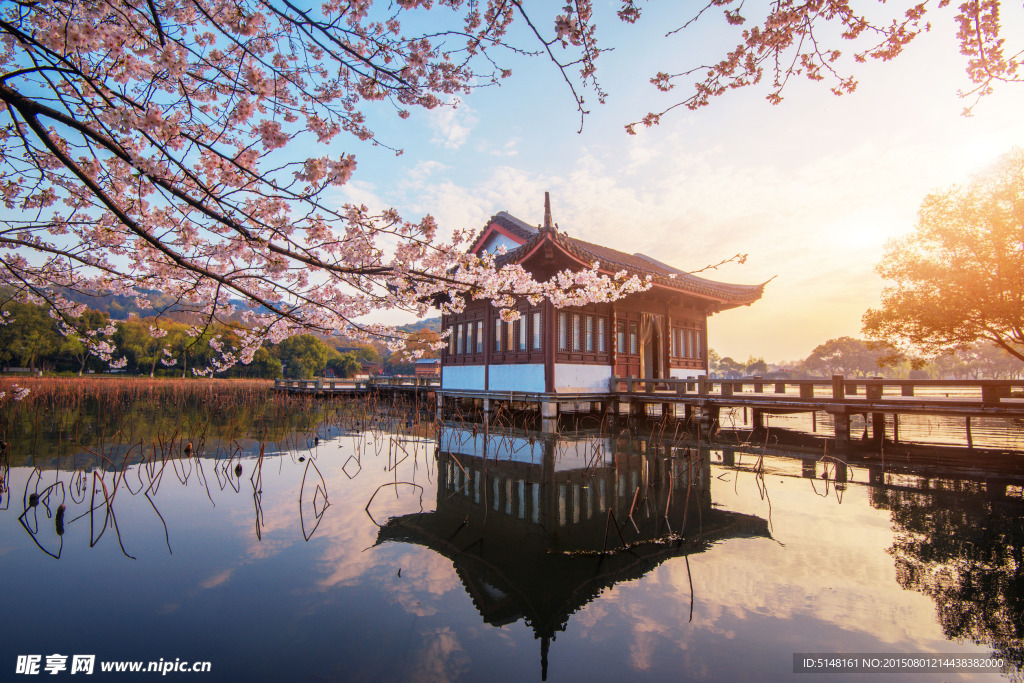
(537, 527)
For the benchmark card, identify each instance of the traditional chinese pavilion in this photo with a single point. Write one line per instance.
(655, 334)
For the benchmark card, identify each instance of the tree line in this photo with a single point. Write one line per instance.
(31, 340)
(859, 358)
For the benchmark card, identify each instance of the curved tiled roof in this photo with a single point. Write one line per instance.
(613, 261)
(521, 229)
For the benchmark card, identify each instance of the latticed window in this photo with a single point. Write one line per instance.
(601, 323)
(575, 332)
(479, 336)
(634, 340)
(522, 332)
(497, 335)
(589, 336)
(620, 341)
(537, 339)
(563, 332)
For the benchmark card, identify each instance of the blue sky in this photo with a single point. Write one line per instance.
(811, 189)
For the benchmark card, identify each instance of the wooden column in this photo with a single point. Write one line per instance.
(873, 392)
(838, 387)
(878, 427)
(549, 343)
(842, 423)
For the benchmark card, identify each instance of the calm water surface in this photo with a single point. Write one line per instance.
(386, 550)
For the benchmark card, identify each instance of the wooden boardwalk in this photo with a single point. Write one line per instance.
(702, 399)
(840, 397)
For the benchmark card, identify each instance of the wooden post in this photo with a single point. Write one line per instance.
(758, 417)
(709, 419)
(758, 385)
(806, 390)
(970, 438)
(780, 387)
(878, 427)
(842, 422)
(727, 388)
(873, 390)
(838, 387)
(548, 417)
(906, 390)
(991, 394)
(808, 469)
(702, 385)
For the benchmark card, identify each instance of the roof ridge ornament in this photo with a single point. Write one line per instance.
(548, 225)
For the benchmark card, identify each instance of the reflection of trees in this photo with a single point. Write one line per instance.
(44, 432)
(962, 545)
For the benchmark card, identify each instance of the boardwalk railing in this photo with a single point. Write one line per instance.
(837, 388)
(356, 385)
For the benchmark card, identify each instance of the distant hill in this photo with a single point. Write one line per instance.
(425, 324)
(120, 307)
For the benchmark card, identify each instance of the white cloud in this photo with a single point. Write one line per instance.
(452, 125)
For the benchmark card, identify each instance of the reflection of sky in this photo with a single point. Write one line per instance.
(338, 607)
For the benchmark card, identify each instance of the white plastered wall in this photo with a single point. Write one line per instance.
(582, 378)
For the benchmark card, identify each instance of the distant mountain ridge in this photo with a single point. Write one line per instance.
(120, 307)
(425, 324)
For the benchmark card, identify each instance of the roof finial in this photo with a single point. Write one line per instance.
(547, 212)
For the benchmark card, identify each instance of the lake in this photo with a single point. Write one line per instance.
(353, 541)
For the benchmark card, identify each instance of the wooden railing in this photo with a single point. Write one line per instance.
(990, 391)
(322, 384)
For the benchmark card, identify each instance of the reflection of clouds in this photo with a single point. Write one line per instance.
(441, 659)
(218, 579)
(591, 615)
(432, 576)
(826, 570)
(829, 565)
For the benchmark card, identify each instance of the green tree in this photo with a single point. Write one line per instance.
(727, 367)
(714, 358)
(345, 365)
(756, 367)
(77, 347)
(264, 365)
(978, 361)
(304, 356)
(958, 278)
(843, 356)
(30, 335)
